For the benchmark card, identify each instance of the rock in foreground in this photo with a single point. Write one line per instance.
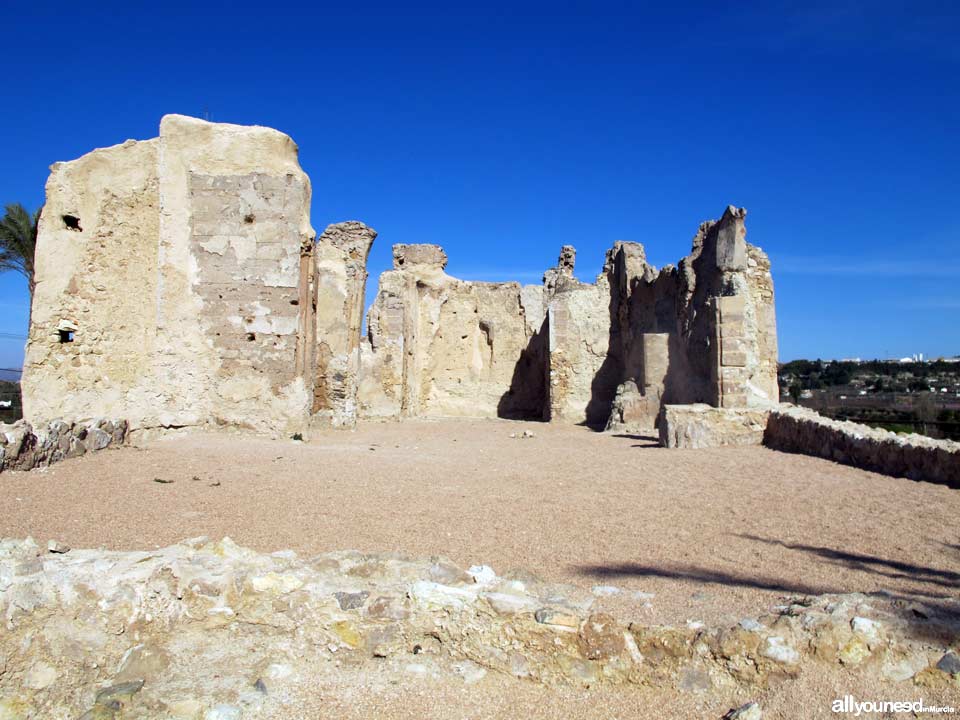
(213, 630)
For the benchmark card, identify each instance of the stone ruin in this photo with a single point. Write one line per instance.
(213, 630)
(179, 283)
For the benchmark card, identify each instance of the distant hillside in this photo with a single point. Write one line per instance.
(872, 375)
(921, 397)
(9, 375)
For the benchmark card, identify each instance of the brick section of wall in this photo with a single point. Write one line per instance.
(246, 243)
(730, 354)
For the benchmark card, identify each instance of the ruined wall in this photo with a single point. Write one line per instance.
(179, 284)
(762, 323)
(229, 276)
(716, 314)
(439, 346)
(180, 277)
(94, 320)
(608, 353)
(339, 285)
(583, 372)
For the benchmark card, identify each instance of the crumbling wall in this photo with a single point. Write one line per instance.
(339, 284)
(236, 209)
(706, 328)
(609, 353)
(179, 284)
(762, 374)
(583, 366)
(173, 265)
(439, 346)
(94, 318)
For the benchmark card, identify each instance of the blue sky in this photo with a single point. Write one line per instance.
(505, 130)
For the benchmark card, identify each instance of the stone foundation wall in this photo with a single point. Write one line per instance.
(702, 426)
(799, 430)
(205, 629)
(24, 448)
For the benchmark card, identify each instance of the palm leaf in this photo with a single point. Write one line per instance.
(18, 241)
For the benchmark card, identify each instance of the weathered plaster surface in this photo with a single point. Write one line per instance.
(97, 284)
(441, 346)
(178, 282)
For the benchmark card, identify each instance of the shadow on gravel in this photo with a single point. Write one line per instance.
(700, 575)
(650, 441)
(894, 569)
(927, 617)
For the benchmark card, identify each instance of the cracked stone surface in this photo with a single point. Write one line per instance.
(215, 630)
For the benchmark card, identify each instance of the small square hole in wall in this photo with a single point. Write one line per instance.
(72, 222)
(65, 335)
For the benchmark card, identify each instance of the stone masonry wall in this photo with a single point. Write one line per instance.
(214, 630)
(94, 320)
(799, 430)
(254, 386)
(179, 284)
(22, 447)
(337, 299)
(582, 377)
(167, 282)
(794, 429)
(439, 346)
(612, 352)
(714, 320)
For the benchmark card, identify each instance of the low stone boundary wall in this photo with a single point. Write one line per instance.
(799, 430)
(203, 626)
(23, 448)
(703, 426)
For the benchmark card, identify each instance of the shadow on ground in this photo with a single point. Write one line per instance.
(893, 569)
(700, 575)
(649, 441)
(931, 617)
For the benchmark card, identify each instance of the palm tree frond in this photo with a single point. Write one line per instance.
(18, 241)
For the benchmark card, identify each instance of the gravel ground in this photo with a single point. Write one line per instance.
(708, 535)
(712, 535)
(808, 697)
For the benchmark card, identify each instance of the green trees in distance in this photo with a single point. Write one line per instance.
(880, 375)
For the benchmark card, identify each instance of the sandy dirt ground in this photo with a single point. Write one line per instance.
(698, 535)
(712, 534)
